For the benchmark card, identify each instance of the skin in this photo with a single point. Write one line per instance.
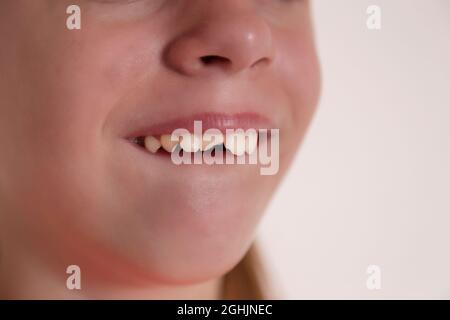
(71, 190)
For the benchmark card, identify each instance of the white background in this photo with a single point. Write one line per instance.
(371, 184)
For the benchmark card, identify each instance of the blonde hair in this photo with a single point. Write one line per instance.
(248, 279)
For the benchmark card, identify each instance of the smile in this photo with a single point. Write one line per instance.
(237, 141)
(235, 146)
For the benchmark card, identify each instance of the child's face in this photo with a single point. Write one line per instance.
(72, 185)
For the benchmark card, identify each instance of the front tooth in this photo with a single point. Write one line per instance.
(152, 144)
(167, 143)
(252, 142)
(191, 143)
(235, 143)
(210, 140)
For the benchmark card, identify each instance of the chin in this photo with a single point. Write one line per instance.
(191, 243)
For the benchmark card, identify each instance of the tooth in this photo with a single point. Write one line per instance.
(252, 142)
(210, 140)
(191, 143)
(235, 143)
(167, 143)
(152, 144)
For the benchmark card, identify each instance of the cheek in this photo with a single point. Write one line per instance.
(53, 135)
(72, 82)
(299, 74)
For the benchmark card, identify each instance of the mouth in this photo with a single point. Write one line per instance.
(232, 134)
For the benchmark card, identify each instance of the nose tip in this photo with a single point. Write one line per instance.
(228, 44)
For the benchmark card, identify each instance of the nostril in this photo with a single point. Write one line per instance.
(214, 60)
(262, 61)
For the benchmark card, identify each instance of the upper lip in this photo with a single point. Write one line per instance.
(220, 121)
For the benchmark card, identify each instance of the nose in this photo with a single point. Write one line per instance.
(226, 38)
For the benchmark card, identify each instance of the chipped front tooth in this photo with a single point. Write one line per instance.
(252, 142)
(235, 143)
(152, 144)
(212, 139)
(167, 143)
(191, 143)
